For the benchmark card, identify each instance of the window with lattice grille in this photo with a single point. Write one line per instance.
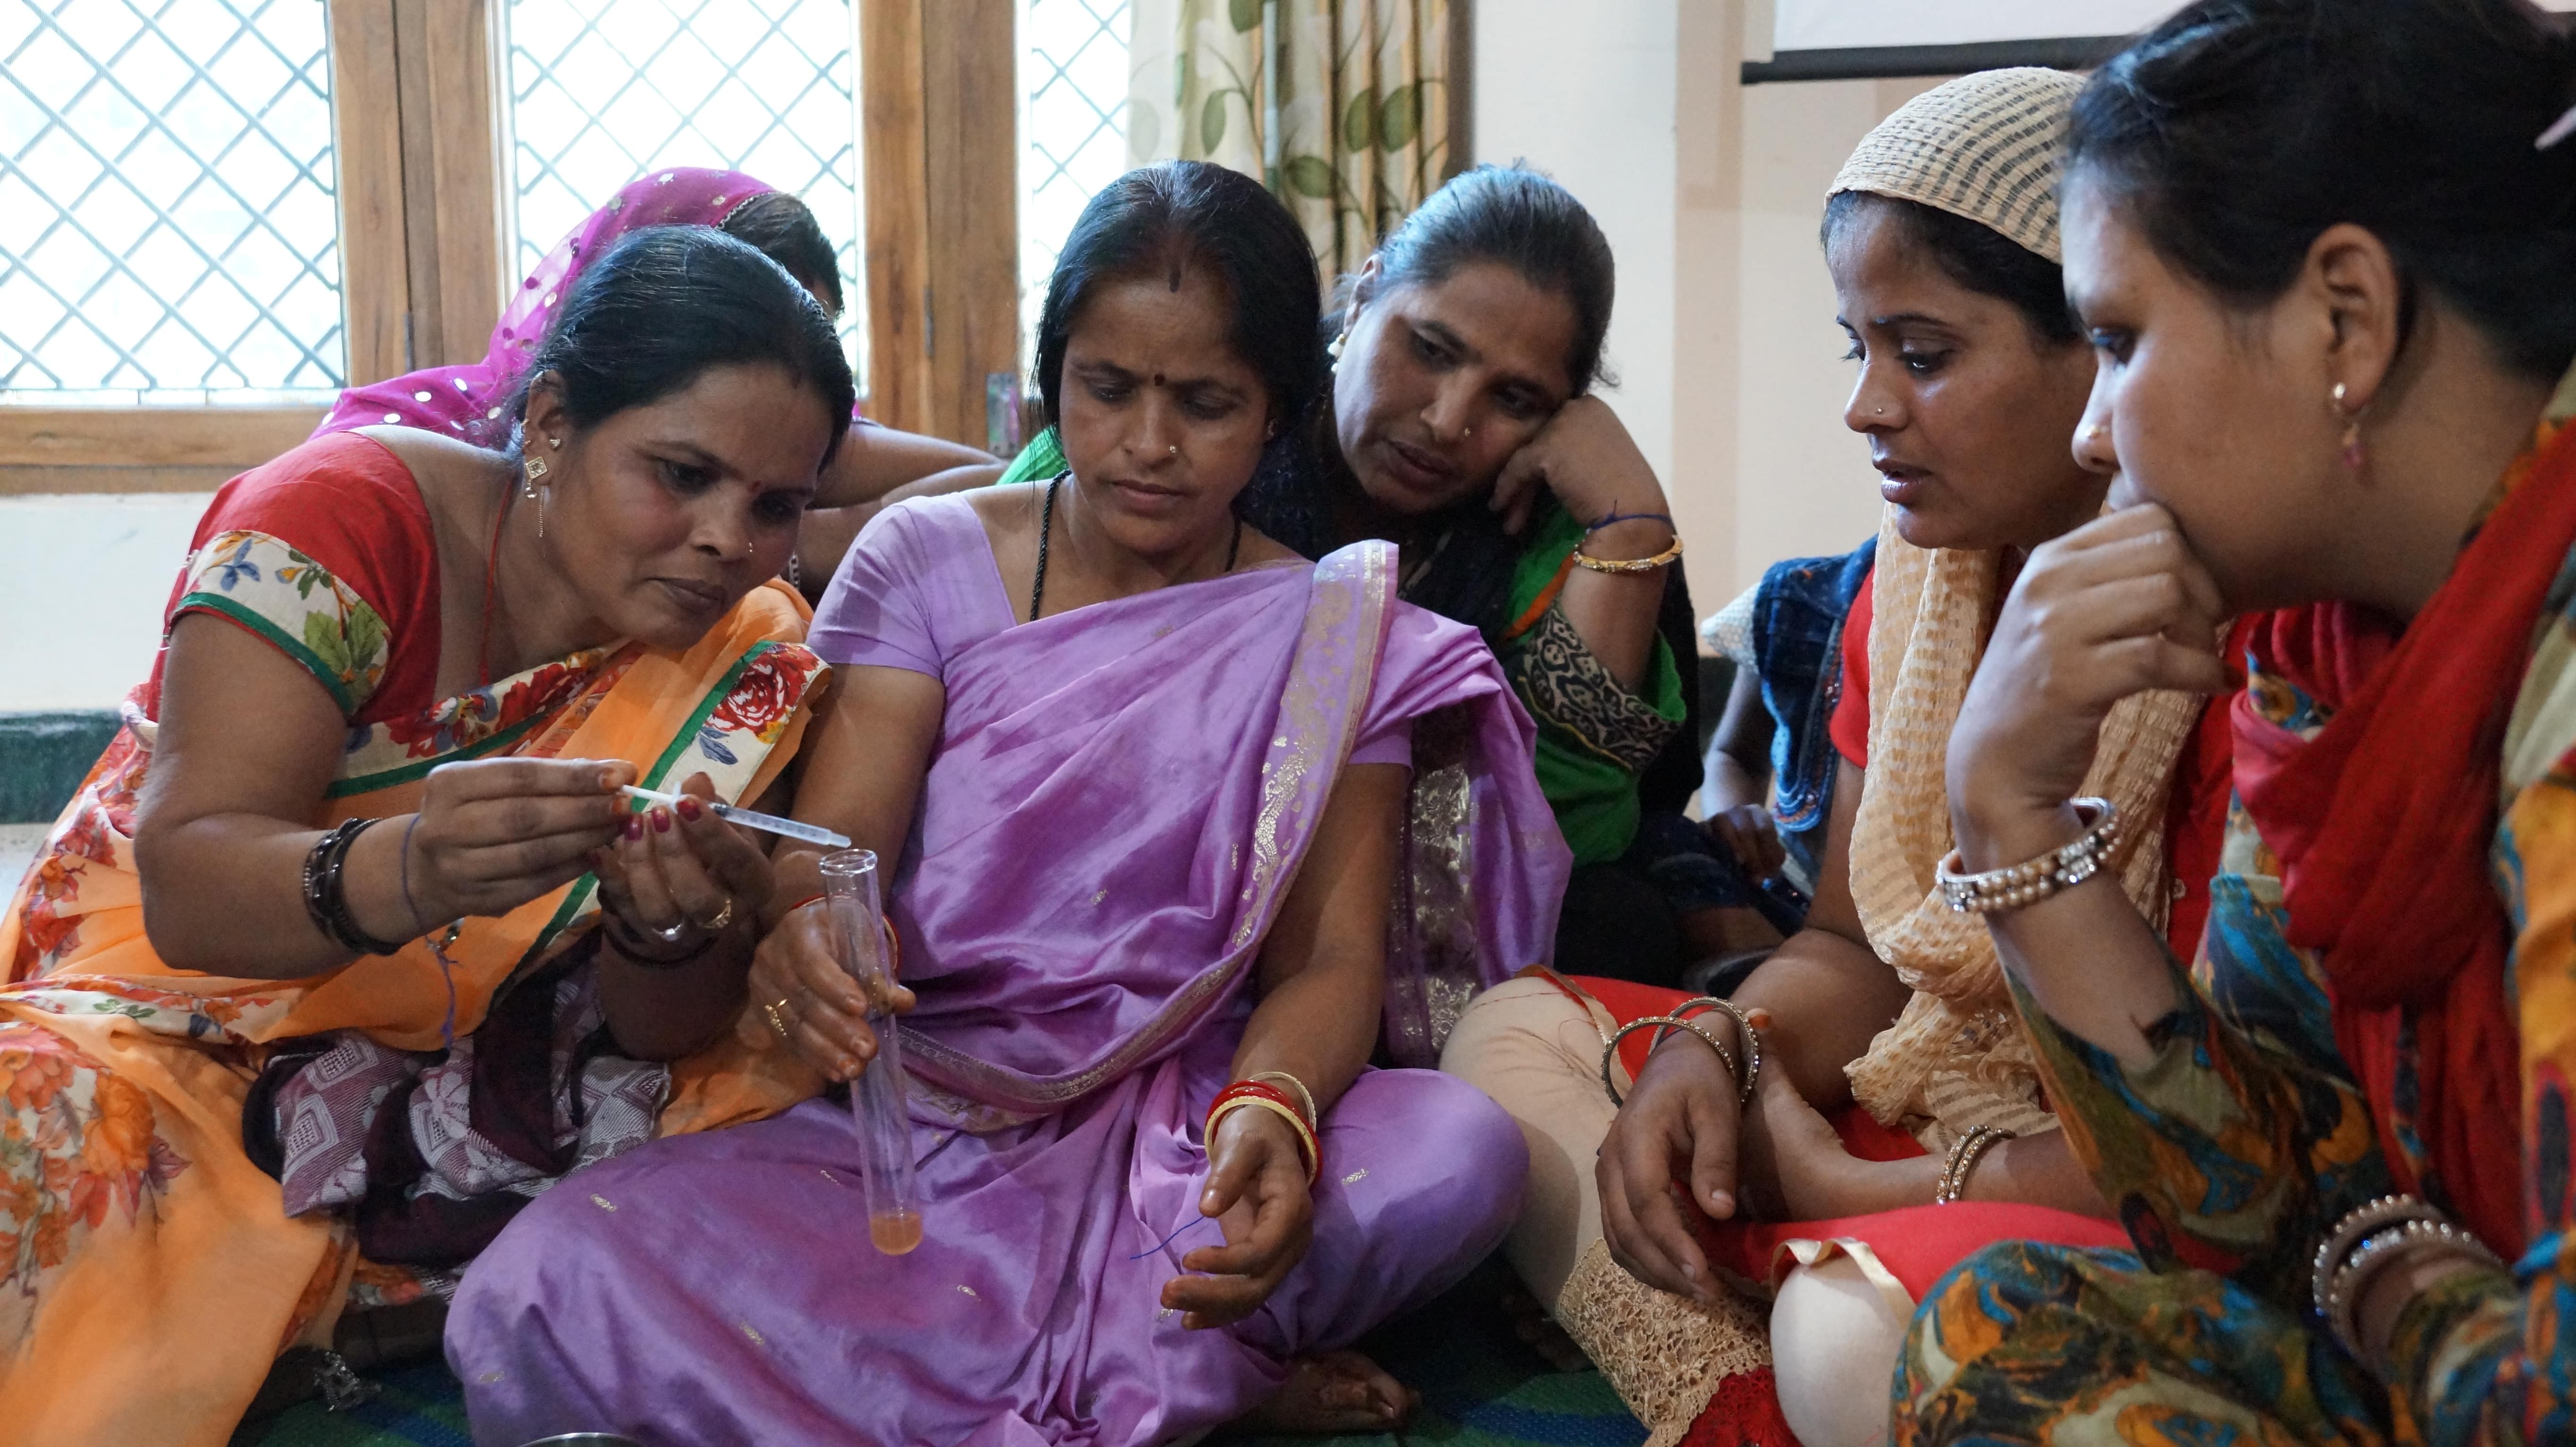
(169, 232)
(1073, 135)
(605, 91)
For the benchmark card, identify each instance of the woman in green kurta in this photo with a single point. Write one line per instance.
(1462, 429)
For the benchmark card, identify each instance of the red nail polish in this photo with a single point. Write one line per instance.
(634, 826)
(661, 821)
(689, 809)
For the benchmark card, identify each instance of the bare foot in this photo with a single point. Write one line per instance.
(1331, 1393)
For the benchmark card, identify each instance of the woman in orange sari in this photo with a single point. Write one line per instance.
(349, 945)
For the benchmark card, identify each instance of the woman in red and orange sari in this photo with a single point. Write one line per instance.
(349, 946)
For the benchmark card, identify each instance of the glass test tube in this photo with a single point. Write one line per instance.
(876, 1097)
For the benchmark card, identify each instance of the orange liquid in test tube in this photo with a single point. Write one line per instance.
(895, 1232)
(877, 1096)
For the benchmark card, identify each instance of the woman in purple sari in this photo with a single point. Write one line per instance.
(1158, 786)
(471, 402)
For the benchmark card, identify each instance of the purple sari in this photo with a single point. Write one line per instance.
(471, 401)
(1119, 802)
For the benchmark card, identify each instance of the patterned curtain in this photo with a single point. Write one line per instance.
(1341, 107)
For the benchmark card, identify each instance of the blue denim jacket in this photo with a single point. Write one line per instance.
(1798, 647)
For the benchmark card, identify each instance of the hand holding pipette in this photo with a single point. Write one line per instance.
(677, 876)
(748, 818)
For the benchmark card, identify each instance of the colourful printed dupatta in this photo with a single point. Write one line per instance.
(2384, 819)
(148, 1272)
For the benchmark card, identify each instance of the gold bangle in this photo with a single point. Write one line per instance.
(1313, 1117)
(1306, 1141)
(1629, 565)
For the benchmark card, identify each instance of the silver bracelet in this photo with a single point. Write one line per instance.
(1610, 1047)
(1964, 1157)
(2365, 1243)
(1752, 1072)
(2033, 880)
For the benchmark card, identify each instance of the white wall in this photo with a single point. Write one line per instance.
(82, 584)
(1710, 191)
(1799, 482)
(1591, 102)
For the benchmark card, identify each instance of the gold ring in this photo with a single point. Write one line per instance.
(723, 917)
(777, 1021)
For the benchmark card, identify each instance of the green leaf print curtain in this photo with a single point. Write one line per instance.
(1341, 107)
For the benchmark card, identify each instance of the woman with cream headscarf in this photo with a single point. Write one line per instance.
(1893, 1120)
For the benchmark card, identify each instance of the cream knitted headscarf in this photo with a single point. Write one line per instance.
(1988, 147)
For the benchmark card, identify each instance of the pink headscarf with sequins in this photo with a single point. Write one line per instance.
(471, 401)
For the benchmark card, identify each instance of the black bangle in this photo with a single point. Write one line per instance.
(1615, 517)
(630, 945)
(326, 899)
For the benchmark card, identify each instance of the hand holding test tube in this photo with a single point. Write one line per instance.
(877, 1096)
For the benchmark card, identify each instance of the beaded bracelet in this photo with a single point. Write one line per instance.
(2030, 882)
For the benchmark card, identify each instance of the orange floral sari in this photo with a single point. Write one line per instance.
(148, 1273)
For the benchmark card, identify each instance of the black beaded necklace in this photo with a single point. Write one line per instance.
(1046, 531)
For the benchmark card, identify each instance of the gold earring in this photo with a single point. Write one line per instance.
(536, 470)
(2354, 453)
(541, 509)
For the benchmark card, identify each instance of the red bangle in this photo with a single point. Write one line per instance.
(1254, 1095)
(815, 898)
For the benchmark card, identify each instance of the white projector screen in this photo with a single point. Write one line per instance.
(1829, 39)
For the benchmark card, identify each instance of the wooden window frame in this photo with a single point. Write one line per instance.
(417, 167)
(939, 96)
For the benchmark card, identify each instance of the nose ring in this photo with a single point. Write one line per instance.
(2097, 432)
(1176, 449)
